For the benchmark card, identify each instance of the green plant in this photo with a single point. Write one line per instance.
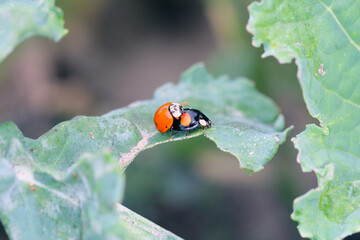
(20, 20)
(69, 182)
(47, 168)
(323, 38)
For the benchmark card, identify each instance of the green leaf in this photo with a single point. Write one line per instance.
(21, 19)
(245, 124)
(37, 205)
(141, 228)
(323, 37)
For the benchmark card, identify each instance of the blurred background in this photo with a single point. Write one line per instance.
(118, 52)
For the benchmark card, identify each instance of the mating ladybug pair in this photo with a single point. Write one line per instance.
(172, 116)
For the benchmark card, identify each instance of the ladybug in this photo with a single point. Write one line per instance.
(172, 116)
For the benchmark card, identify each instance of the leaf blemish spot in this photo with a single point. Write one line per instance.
(32, 187)
(321, 70)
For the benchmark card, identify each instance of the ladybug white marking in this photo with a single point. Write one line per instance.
(202, 122)
(176, 110)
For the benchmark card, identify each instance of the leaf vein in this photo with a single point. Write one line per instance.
(338, 95)
(340, 25)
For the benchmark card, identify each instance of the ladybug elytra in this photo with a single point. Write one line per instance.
(172, 116)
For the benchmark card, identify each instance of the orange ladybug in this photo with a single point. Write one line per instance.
(172, 116)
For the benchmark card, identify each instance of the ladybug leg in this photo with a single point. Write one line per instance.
(172, 135)
(187, 133)
(204, 128)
